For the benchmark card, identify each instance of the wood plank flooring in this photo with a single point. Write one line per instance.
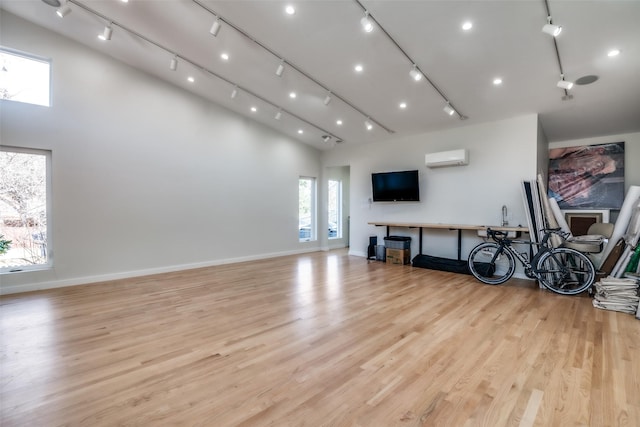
(320, 339)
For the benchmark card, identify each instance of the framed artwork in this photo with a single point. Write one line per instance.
(579, 221)
(589, 176)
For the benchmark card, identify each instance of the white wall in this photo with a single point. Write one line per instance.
(501, 155)
(147, 177)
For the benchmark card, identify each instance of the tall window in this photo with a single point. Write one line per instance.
(24, 78)
(24, 188)
(306, 209)
(335, 209)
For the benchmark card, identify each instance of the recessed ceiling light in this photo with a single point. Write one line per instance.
(254, 109)
(290, 10)
(358, 68)
(124, 1)
(300, 131)
(403, 105)
(497, 81)
(368, 124)
(613, 52)
(292, 95)
(467, 25)
(224, 56)
(339, 122)
(191, 79)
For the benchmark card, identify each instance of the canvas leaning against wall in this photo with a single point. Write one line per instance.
(590, 176)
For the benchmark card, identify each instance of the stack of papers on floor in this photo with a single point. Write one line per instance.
(617, 294)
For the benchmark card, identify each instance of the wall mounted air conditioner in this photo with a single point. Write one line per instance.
(447, 158)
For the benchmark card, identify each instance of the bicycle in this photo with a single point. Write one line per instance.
(562, 270)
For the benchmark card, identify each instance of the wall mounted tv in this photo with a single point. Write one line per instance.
(402, 186)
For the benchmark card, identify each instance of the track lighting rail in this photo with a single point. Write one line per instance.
(291, 65)
(175, 56)
(413, 63)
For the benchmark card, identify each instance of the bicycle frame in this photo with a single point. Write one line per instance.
(543, 247)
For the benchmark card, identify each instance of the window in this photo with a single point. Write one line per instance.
(335, 209)
(306, 209)
(24, 212)
(24, 78)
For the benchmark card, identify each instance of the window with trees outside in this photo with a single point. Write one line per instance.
(24, 212)
(24, 78)
(306, 209)
(335, 209)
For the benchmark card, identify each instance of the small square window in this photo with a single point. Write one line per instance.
(24, 78)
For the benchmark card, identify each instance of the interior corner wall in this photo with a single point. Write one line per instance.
(501, 155)
(147, 177)
(543, 153)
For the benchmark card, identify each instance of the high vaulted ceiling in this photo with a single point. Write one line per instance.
(323, 41)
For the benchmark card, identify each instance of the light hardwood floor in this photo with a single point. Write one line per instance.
(320, 339)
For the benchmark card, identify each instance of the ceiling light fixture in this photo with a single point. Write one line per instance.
(415, 73)
(234, 92)
(290, 10)
(467, 25)
(613, 52)
(497, 81)
(173, 65)
(339, 122)
(292, 95)
(106, 34)
(358, 68)
(403, 105)
(64, 10)
(552, 30)
(300, 131)
(215, 27)
(190, 79)
(224, 56)
(327, 99)
(326, 138)
(367, 24)
(564, 84)
(254, 109)
(449, 110)
(278, 115)
(280, 68)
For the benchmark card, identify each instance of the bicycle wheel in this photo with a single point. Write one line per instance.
(491, 264)
(565, 271)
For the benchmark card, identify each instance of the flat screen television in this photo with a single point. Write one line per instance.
(401, 186)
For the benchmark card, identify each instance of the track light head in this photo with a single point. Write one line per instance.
(327, 99)
(280, 68)
(368, 124)
(234, 92)
(326, 138)
(367, 24)
(278, 115)
(415, 73)
(552, 30)
(449, 110)
(106, 34)
(564, 84)
(215, 27)
(173, 65)
(63, 11)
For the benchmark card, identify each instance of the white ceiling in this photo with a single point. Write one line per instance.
(324, 40)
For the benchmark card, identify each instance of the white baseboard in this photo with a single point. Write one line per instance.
(53, 284)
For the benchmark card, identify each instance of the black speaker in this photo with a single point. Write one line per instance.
(371, 249)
